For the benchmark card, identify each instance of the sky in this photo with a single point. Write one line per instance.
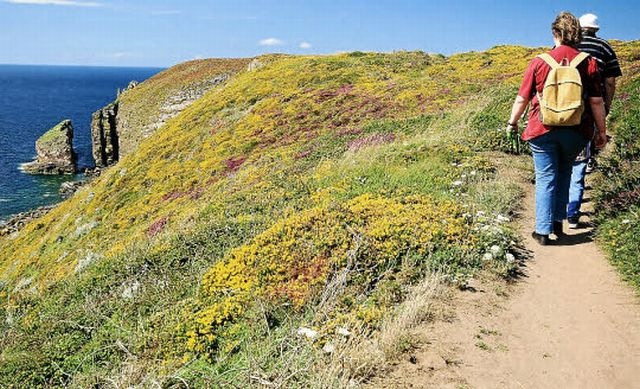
(160, 33)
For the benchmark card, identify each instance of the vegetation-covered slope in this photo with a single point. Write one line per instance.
(144, 109)
(312, 192)
(617, 187)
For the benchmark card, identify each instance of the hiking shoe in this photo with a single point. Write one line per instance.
(573, 222)
(542, 240)
(557, 228)
(591, 165)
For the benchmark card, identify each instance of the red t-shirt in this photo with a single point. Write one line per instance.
(533, 83)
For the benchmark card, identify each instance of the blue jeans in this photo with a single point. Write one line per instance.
(576, 190)
(553, 156)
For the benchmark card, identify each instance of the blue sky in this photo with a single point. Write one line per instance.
(165, 32)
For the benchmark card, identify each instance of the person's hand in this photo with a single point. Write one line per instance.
(513, 137)
(512, 131)
(600, 139)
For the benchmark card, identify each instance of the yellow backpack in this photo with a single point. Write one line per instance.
(561, 101)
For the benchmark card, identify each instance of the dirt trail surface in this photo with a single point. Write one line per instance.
(568, 323)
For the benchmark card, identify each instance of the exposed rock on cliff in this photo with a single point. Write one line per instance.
(55, 152)
(148, 106)
(67, 189)
(254, 65)
(182, 99)
(18, 221)
(132, 84)
(104, 135)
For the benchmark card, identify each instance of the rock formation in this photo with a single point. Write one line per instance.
(18, 221)
(55, 152)
(132, 84)
(254, 65)
(104, 135)
(67, 189)
(180, 100)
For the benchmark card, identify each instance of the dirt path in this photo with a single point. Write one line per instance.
(569, 323)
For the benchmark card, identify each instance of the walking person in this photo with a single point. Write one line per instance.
(609, 69)
(556, 142)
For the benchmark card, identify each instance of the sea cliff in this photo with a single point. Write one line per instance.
(270, 228)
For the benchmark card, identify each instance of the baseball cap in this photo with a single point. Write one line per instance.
(589, 21)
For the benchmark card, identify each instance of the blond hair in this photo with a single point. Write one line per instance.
(566, 28)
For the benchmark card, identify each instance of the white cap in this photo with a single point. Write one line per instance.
(589, 21)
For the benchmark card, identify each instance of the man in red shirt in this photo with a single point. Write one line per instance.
(555, 148)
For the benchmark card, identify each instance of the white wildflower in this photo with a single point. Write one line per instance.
(473, 173)
(510, 258)
(626, 221)
(329, 348)
(131, 291)
(307, 332)
(457, 183)
(487, 257)
(502, 219)
(495, 249)
(343, 331)
(480, 213)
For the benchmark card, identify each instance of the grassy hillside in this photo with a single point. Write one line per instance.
(617, 195)
(144, 108)
(300, 206)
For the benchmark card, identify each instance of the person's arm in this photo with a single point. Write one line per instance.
(519, 105)
(610, 91)
(597, 108)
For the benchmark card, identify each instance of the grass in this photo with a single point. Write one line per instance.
(618, 184)
(141, 107)
(317, 192)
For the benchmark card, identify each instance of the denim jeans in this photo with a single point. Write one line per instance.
(576, 190)
(553, 156)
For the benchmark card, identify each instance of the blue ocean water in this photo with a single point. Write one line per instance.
(35, 98)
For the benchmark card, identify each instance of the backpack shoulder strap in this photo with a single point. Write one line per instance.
(549, 60)
(578, 59)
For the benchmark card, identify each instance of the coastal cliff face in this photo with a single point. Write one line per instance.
(141, 109)
(54, 150)
(104, 136)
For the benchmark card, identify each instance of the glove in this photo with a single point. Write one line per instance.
(513, 138)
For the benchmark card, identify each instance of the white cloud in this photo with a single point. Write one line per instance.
(305, 45)
(270, 42)
(68, 3)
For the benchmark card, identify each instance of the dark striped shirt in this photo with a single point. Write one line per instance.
(603, 53)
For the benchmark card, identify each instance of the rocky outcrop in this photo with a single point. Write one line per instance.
(132, 84)
(104, 135)
(105, 139)
(254, 65)
(55, 152)
(18, 221)
(182, 99)
(67, 189)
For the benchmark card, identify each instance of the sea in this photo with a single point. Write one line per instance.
(35, 98)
